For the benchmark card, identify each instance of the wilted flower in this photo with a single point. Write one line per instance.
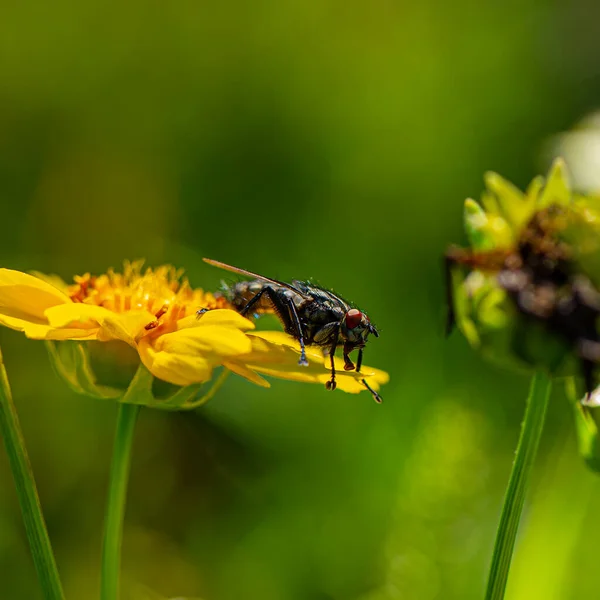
(150, 316)
(525, 292)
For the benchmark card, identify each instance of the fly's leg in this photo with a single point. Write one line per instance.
(281, 306)
(375, 395)
(359, 360)
(292, 307)
(331, 384)
(254, 300)
(348, 364)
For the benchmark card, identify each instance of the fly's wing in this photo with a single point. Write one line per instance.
(226, 267)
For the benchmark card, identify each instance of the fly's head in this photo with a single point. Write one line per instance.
(355, 329)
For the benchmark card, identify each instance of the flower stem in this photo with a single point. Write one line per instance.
(117, 493)
(531, 432)
(35, 526)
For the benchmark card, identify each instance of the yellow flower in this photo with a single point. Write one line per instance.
(153, 312)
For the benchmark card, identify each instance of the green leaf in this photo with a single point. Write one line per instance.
(531, 432)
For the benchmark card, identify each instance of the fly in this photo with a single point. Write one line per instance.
(311, 314)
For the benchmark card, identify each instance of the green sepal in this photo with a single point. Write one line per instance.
(533, 192)
(485, 231)
(142, 391)
(71, 361)
(557, 189)
(476, 222)
(488, 318)
(509, 198)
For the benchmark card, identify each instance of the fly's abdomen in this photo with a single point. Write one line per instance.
(240, 293)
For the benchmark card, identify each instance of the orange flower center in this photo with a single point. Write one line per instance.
(163, 291)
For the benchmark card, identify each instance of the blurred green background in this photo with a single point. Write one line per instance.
(334, 140)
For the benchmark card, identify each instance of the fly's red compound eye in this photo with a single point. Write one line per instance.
(353, 318)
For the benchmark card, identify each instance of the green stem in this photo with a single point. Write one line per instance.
(35, 526)
(117, 493)
(531, 432)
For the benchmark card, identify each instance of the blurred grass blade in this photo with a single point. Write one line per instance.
(35, 526)
(531, 432)
(117, 494)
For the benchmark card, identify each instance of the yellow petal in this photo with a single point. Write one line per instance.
(173, 368)
(276, 354)
(223, 317)
(211, 339)
(189, 355)
(265, 344)
(347, 381)
(246, 373)
(127, 326)
(35, 331)
(24, 299)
